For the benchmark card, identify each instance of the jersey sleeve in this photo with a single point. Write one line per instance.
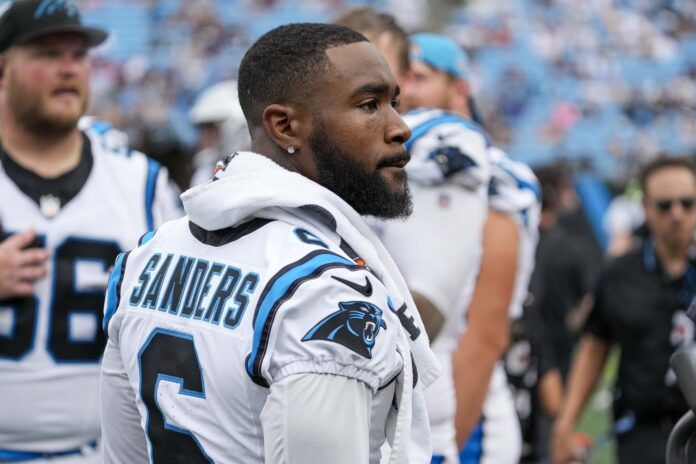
(513, 189)
(166, 204)
(123, 438)
(307, 417)
(324, 315)
(449, 148)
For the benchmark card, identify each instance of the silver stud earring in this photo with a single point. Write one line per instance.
(291, 149)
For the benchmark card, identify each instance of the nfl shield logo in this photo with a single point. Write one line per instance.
(444, 200)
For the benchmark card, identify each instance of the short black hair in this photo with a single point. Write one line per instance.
(663, 162)
(551, 179)
(285, 63)
(369, 21)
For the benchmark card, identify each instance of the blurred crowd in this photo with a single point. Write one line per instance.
(607, 81)
(586, 93)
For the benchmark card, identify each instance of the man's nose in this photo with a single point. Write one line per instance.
(397, 131)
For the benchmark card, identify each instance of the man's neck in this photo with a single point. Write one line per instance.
(462, 111)
(48, 156)
(673, 259)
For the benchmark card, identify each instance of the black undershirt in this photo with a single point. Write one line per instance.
(64, 187)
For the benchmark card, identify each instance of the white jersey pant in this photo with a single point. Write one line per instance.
(497, 439)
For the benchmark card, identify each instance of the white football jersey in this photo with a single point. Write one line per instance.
(51, 344)
(438, 248)
(201, 323)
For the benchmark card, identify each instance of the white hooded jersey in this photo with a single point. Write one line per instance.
(51, 343)
(202, 322)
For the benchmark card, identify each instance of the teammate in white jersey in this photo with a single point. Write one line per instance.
(514, 193)
(68, 206)
(441, 79)
(270, 324)
(438, 248)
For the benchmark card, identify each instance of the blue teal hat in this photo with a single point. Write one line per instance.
(441, 53)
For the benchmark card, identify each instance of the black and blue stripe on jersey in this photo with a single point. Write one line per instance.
(153, 169)
(521, 183)
(280, 288)
(113, 288)
(450, 159)
(25, 456)
(446, 118)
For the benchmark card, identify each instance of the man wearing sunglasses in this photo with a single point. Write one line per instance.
(640, 304)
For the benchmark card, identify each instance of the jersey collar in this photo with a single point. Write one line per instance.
(50, 195)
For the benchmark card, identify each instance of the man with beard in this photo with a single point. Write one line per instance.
(68, 206)
(640, 303)
(270, 324)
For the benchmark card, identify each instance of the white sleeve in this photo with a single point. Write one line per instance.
(514, 189)
(311, 418)
(123, 439)
(167, 205)
(450, 151)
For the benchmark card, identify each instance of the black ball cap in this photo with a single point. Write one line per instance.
(25, 20)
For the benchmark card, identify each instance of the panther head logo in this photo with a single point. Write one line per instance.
(355, 325)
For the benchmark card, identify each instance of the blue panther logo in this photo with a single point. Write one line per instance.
(355, 325)
(451, 160)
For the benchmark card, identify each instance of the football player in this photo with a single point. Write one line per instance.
(70, 201)
(270, 324)
(474, 323)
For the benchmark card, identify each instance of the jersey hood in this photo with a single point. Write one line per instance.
(247, 185)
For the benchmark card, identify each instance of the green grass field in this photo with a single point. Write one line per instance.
(596, 420)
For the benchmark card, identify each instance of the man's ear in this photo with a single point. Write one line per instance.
(284, 126)
(462, 88)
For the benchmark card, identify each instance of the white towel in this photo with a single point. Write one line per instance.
(249, 185)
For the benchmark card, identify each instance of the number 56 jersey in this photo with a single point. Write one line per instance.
(51, 343)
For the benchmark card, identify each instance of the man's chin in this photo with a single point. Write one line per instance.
(678, 240)
(400, 205)
(61, 121)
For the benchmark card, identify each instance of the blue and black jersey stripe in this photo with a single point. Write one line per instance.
(113, 290)
(523, 184)
(422, 129)
(153, 168)
(280, 289)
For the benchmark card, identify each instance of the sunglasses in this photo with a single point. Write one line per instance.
(665, 205)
